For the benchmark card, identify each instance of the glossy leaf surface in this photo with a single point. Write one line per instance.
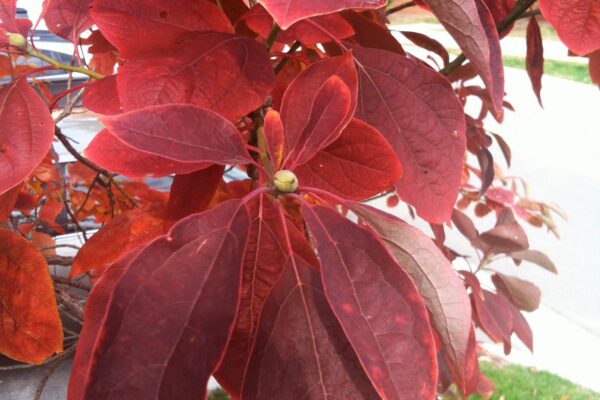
(577, 23)
(358, 165)
(228, 74)
(317, 105)
(181, 133)
(287, 12)
(109, 152)
(68, 18)
(26, 143)
(472, 26)
(301, 351)
(139, 26)
(186, 286)
(417, 112)
(31, 328)
(377, 304)
(439, 285)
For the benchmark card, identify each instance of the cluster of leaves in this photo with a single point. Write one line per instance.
(282, 285)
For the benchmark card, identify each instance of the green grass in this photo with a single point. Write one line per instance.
(562, 69)
(514, 382)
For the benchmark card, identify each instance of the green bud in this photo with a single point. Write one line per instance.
(17, 40)
(285, 181)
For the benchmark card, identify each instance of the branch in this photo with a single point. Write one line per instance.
(514, 15)
(65, 142)
(400, 7)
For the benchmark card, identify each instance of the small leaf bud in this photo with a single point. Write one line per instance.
(285, 181)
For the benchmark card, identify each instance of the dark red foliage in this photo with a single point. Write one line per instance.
(281, 284)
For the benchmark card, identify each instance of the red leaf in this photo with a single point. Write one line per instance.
(119, 236)
(95, 309)
(500, 9)
(26, 143)
(68, 18)
(504, 238)
(464, 225)
(8, 201)
(536, 257)
(286, 12)
(472, 26)
(358, 165)
(140, 26)
(428, 43)
(264, 260)
(594, 67)
(8, 12)
(535, 57)
(306, 32)
(522, 329)
(228, 74)
(185, 285)
(416, 110)
(523, 294)
(183, 133)
(274, 137)
(31, 328)
(102, 96)
(300, 349)
(439, 285)
(494, 315)
(577, 23)
(317, 105)
(378, 306)
(110, 153)
(192, 193)
(371, 34)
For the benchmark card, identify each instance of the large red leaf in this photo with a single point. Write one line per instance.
(68, 18)
(226, 73)
(416, 110)
(500, 9)
(192, 193)
(437, 281)
(185, 286)
(102, 96)
(472, 26)
(140, 26)
(316, 106)
(264, 260)
(95, 309)
(25, 144)
(287, 12)
(378, 306)
(577, 23)
(31, 328)
(178, 132)
(358, 165)
(119, 236)
(109, 152)
(301, 351)
(535, 57)
(523, 294)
